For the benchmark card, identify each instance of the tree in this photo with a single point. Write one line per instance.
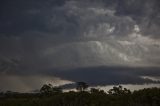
(119, 90)
(46, 88)
(49, 89)
(94, 90)
(81, 86)
(56, 90)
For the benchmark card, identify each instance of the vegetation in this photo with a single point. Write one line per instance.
(53, 96)
(48, 89)
(81, 86)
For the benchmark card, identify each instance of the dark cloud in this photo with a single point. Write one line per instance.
(37, 26)
(38, 35)
(20, 16)
(144, 12)
(60, 17)
(108, 75)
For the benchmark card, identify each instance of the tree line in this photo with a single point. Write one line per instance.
(54, 96)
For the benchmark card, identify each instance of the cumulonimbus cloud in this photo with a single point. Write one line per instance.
(70, 34)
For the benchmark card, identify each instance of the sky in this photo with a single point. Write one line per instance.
(63, 41)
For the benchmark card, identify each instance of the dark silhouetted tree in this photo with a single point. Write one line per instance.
(81, 86)
(49, 89)
(46, 89)
(56, 90)
(94, 90)
(119, 90)
(97, 91)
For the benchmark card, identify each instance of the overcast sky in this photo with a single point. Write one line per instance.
(60, 39)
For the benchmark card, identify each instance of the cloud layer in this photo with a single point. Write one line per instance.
(36, 36)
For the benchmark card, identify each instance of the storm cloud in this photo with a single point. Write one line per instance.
(39, 37)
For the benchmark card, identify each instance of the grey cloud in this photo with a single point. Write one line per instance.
(75, 17)
(27, 83)
(20, 16)
(37, 36)
(108, 75)
(144, 12)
